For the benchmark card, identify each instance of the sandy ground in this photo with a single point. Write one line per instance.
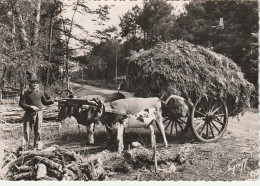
(246, 127)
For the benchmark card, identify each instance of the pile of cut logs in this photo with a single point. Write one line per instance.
(56, 163)
(52, 163)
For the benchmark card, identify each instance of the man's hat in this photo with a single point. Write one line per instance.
(32, 77)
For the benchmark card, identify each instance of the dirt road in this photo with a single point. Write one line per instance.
(247, 126)
(83, 90)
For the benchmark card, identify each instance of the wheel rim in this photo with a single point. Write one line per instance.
(209, 119)
(176, 126)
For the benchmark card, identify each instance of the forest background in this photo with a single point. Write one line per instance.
(39, 36)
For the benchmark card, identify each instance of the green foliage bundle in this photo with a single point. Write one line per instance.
(179, 67)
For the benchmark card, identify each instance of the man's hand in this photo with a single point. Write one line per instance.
(34, 108)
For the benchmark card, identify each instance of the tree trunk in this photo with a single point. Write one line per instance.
(53, 10)
(25, 40)
(67, 45)
(37, 24)
(2, 83)
(13, 28)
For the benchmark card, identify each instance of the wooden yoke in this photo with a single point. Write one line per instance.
(79, 101)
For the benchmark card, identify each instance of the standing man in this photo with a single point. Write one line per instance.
(32, 102)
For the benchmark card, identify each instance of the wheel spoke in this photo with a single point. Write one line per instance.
(202, 108)
(211, 130)
(175, 123)
(167, 125)
(220, 122)
(201, 118)
(172, 127)
(219, 114)
(207, 130)
(180, 126)
(180, 120)
(200, 113)
(213, 107)
(209, 108)
(216, 109)
(215, 127)
(202, 128)
(199, 125)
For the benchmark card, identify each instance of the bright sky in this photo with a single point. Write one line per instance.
(120, 7)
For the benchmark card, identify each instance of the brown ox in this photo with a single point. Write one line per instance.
(81, 112)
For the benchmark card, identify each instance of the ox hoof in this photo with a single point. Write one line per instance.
(119, 154)
(90, 143)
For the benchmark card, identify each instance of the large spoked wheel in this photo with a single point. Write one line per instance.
(209, 119)
(176, 125)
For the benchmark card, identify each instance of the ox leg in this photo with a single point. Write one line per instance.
(109, 132)
(90, 130)
(60, 127)
(120, 132)
(152, 134)
(161, 128)
(79, 131)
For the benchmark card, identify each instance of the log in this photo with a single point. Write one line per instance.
(24, 168)
(38, 153)
(17, 162)
(133, 153)
(144, 155)
(93, 166)
(96, 170)
(48, 178)
(49, 163)
(74, 169)
(103, 156)
(59, 160)
(69, 175)
(49, 149)
(24, 175)
(41, 171)
(69, 155)
(55, 173)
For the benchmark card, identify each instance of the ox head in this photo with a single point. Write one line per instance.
(95, 112)
(84, 114)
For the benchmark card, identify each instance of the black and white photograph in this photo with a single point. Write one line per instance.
(129, 90)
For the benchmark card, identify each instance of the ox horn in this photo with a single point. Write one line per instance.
(178, 97)
(93, 103)
(173, 97)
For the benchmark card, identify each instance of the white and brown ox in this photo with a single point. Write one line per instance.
(131, 113)
(81, 112)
